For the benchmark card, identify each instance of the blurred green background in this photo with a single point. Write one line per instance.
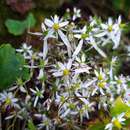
(16, 14)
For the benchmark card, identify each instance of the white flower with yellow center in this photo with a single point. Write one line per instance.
(62, 69)
(80, 65)
(101, 83)
(86, 36)
(83, 36)
(100, 75)
(8, 99)
(38, 94)
(112, 31)
(120, 84)
(57, 26)
(116, 122)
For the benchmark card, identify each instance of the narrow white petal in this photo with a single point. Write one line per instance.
(119, 19)
(56, 19)
(61, 65)
(81, 70)
(36, 100)
(43, 27)
(33, 91)
(110, 21)
(58, 74)
(64, 38)
(45, 49)
(77, 36)
(36, 33)
(99, 50)
(69, 64)
(78, 48)
(63, 24)
(101, 34)
(104, 26)
(116, 39)
(48, 22)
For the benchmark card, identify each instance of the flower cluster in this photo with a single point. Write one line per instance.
(69, 83)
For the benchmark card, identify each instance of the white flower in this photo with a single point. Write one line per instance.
(86, 107)
(68, 108)
(77, 13)
(56, 26)
(86, 36)
(116, 122)
(112, 31)
(16, 114)
(9, 100)
(104, 102)
(38, 93)
(63, 69)
(46, 122)
(100, 85)
(120, 84)
(25, 50)
(83, 36)
(80, 65)
(100, 75)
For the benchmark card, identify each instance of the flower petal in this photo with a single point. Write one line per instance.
(48, 22)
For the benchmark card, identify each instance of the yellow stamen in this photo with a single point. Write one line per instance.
(56, 26)
(101, 84)
(84, 35)
(66, 72)
(8, 101)
(117, 123)
(110, 28)
(119, 81)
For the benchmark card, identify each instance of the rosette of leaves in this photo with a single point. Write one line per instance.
(11, 66)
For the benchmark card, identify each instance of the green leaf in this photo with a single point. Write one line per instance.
(11, 66)
(119, 107)
(17, 27)
(31, 126)
(24, 72)
(30, 21)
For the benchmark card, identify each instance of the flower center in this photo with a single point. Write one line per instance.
(56, 26)
(71, 106)
(8, 101)
(101, 84)
(39, 94)
(119, 81)
(117, 123)
(84, 35)
(100, 77)
(66, 72)
(110, 28)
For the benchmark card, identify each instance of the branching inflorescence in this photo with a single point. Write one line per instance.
(73, 78)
